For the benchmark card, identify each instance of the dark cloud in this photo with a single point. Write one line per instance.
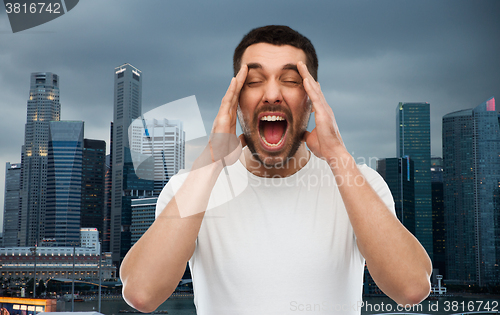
(373, 54)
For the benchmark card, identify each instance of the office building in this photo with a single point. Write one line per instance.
(414, 140)
(19, 262)
(438, 228)
(43, 107)
(398, 173)
(11, 204)
(143, 216)
(471, 149)
(106, 237)
(64, 182)
(125, 184)
(93, 184)
(164, 141)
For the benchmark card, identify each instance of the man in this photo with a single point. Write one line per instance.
(296, 238)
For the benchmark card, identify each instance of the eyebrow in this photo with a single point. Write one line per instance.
(288, 66)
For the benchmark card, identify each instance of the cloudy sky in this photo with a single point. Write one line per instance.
(372, 55)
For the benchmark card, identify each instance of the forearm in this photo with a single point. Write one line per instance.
(397, 261)
(153, 267)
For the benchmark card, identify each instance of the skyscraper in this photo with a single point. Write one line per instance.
(93, 184)
(43, 107)
(398, 173)
(127, 107)
(11, 204)
(438, 228)
(164, 141)
(143, 216)
(471, 149)
(414, 140)
(64, 182)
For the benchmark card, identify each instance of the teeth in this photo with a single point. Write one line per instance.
(271, 118)
(271, 144)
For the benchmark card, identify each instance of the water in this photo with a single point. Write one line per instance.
(373, 305)
(181, 306)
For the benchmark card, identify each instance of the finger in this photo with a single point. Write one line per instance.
(240, 80)
(318, 102)
(226, 100)
(304, 71)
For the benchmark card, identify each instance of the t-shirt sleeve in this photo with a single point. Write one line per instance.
(379, 185)
(167, 193)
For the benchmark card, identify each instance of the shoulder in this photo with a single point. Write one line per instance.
(378, 184)
(168, 191)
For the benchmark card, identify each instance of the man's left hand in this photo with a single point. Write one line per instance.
(324, 140)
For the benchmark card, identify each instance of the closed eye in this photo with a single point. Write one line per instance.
(253, 83)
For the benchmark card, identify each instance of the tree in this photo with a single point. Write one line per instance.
(40, 288)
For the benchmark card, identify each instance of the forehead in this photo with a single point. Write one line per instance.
(272, 57)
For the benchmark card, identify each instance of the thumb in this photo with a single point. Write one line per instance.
(242, 140)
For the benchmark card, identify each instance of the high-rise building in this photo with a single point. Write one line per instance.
(11, 204)
(471, 149)
(438, 228)
(93, 184)
(43, 107)
(106, 238)
(414, 140)
(64, 182)
(125, 185)
(398, 173)
(143, 216)
(164, 141)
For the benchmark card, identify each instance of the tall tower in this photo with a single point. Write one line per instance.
(11, 204)
(93, 184)
(64, 182)
(438, 228)
(43, 107)
(399, 174)
(127, 107)
(414, 140)
(471, 149)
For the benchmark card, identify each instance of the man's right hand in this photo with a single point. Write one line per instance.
(223, 142)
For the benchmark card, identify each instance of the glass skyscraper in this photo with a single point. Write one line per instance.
(93, 184)
(11, 204)
(471, 150)
(64, 182)
(398, 173)
(414, 140)
(43, 107)
(125, 184)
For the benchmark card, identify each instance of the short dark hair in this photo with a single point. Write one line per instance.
(278, 35)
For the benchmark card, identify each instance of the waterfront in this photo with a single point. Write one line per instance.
(372, 305)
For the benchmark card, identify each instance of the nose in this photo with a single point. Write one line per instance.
(272, 93)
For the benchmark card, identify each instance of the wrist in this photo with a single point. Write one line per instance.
(341, 160)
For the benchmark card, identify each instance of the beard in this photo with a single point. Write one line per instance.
(297, 126)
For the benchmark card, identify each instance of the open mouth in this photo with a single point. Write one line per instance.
(272, 130)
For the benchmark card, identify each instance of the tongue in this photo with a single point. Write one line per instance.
(273, 131)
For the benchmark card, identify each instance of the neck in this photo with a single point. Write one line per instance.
(290, 167)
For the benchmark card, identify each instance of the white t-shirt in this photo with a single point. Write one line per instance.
(281, 246)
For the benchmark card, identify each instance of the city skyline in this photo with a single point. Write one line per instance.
(367, 65)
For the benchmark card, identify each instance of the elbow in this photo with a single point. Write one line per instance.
(415, 293)
(139, 299)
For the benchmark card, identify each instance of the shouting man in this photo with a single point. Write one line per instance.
(297, 237)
